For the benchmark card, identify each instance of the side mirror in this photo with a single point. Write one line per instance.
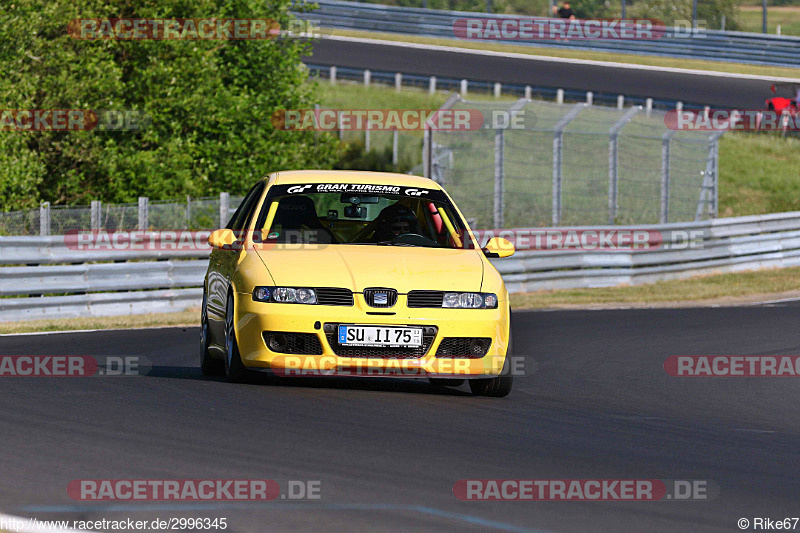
(222, 239)
(498, 247)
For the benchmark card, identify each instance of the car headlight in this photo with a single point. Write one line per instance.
(470, 300)
(289, 295)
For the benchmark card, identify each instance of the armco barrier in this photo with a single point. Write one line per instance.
(58, 281)
(742, 47)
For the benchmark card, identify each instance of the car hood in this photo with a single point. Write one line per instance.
(357, 267)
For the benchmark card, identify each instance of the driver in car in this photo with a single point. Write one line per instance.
(394, 221)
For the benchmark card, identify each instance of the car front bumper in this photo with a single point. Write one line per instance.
(253, 319)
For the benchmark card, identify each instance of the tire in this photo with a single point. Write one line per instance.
(208, 366)
(234, 369)
(499, 386)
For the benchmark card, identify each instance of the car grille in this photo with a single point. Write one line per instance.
(464, 347)
(425, 298)
(372, 297)
(294, 343)
(428, 334)
(334, 296)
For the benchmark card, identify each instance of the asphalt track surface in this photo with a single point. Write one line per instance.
(703, 89)
(595, 403)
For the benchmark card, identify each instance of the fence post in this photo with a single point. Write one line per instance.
(528, 92)
(224, 208)
(498, 177)
(367, 77)
(144, 213)
(709, 189)
(498, 89)
(44, 219)
(648, 106)
(665, 159)
(333, 75)
(464, 84)
(589, 97)
(398, 81)
(560, 96)
(188, 211)
(613, 163)
(395, 147)
(428, 144)
(97, 214)
(558, 152)
(432, 85)
(620, 101)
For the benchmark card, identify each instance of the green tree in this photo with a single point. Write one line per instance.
(210, 104)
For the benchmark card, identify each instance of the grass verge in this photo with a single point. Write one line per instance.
(636, 59)
(758, 174)
(787, 17)
(717, 289)
(182, 318)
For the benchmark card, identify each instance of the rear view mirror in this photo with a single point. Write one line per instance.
(221, 238)
(498, 247)
(354, 211)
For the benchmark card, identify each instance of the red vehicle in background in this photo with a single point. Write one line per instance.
(788, 104)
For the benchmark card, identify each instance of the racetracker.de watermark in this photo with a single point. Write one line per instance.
(731, 120)
(136, 240)
(455, 366)
(72, 366)
(193, 489)
(536, 28)
(733, 365)
(173, 29)
(377, 119)
(596, 239)
(401, 119)
(584, 489)
(29, 120)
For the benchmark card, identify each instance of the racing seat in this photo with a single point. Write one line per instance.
(296, 221)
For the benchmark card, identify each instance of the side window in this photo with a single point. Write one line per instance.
(245, 209)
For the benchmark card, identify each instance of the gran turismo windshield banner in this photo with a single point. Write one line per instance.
(358, 188)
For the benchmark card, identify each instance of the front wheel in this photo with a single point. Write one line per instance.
(499, 386)
(209, 366)
(234, 369)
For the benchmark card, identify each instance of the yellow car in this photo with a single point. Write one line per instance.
(355, 273)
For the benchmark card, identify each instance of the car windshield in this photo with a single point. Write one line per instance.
(355, 214)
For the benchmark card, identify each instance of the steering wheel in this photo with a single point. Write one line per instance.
(414, 238)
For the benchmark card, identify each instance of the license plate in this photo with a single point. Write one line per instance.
(389, 336)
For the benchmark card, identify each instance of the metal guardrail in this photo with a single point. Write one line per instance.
(714, 45)
(722, 245)
(135, 283)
